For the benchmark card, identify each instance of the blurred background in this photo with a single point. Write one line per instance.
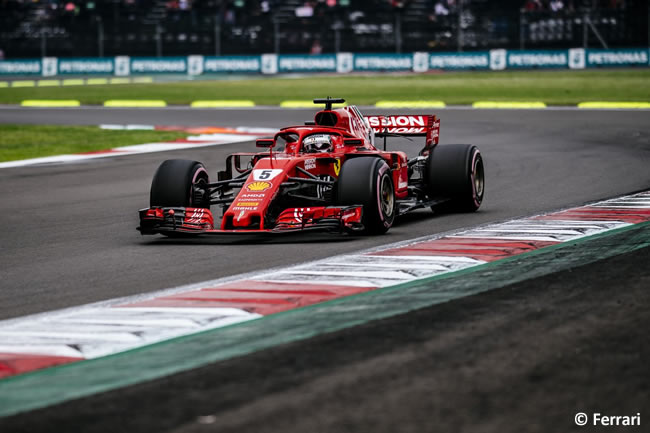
(95, 28)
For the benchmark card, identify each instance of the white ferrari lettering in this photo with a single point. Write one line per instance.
(610, 420)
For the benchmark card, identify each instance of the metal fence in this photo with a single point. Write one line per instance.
(417, 26)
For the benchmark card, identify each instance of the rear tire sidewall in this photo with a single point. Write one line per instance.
(456, 172)
(368, 182)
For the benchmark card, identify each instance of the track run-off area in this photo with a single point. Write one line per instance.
(69, 239)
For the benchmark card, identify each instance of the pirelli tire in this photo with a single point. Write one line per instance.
(455, 171)
(173, 184)
(367, 181)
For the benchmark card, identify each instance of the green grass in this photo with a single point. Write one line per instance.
(30, 141)
(552, 87)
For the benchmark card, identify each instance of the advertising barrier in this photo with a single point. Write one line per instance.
(383, 62)
(270, 64)
(20, 67)
(624, 57)
(157, 65)
(307, 63)
(537, 59)
(239, 64)
(85, 66)
(475, 60)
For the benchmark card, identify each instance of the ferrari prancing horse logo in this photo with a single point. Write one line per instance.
(337, 167)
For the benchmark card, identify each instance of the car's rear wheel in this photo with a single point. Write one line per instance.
(455, 172)
(368, 182)
(174, 184)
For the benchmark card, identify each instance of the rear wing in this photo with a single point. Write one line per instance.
(422, 125)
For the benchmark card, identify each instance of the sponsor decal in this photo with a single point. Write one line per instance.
(153, 65)
(244, 208)
(232, 64)
(402, 130)
(344, 63)
(337, 166)
(617, 57)
(310, 163)
(266, 174)
(247, 203)
(298, 213)
(258, 186)
(375, 62)
(537, 59)
(50, 65)
(577, 58)
(460, 61)
(382, 121)
(420, 62)
(122, 66)
(307, 63)
(196, 216)
(194, 65)
(85, 66)
(252, 196)
(269, 63)
(20, 67)
(399, 124)
(498, 59)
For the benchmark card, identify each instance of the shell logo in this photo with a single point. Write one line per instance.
(258, 186)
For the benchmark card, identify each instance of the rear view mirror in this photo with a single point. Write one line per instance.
(265, 142)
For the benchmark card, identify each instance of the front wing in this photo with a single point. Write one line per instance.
(186, 220)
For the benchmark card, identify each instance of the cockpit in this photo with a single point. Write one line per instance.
(314, 142)
(287, 142)
(317, 143)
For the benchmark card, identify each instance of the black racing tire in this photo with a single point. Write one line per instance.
(172, 185)
(455, 171)
(367, 181)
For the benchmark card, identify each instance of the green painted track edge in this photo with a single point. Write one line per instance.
(54, 385)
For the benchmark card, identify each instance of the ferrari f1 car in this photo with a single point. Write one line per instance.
(324, 175)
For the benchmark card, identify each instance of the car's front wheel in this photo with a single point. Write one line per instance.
(368, 182)
(174, 184)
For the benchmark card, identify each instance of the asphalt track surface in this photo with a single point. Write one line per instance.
(68, 231)
(68, 237)
(523, 358)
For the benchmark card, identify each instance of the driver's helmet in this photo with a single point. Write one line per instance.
(317, 143)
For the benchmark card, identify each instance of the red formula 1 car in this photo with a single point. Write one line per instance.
(324, 175)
